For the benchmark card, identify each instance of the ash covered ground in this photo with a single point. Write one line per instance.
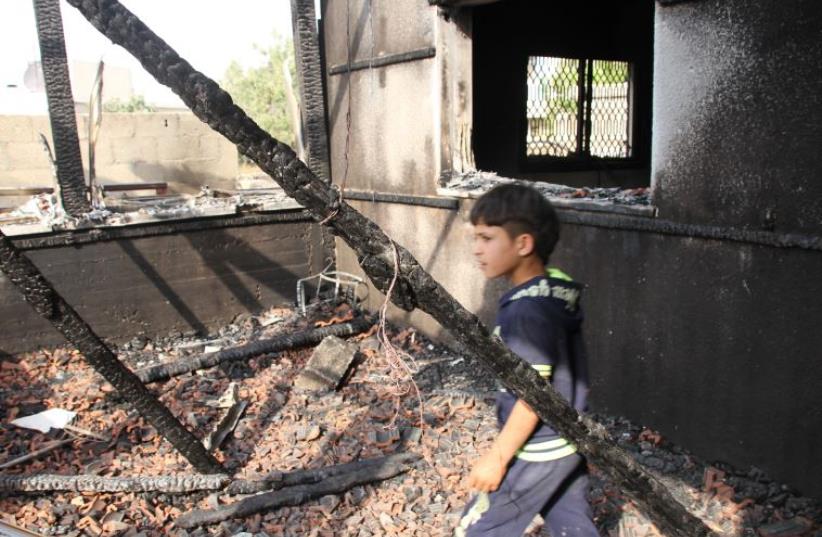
(374, 412)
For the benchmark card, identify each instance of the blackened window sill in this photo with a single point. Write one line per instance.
(633, 202)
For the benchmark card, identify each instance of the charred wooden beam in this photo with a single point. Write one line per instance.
(61, 107)
(186, 483)
(313, 99)
(310, 77)
(305, 338)
(317, 475)
(294, 495)
(171, 484)
(387, 264)
(38, 292)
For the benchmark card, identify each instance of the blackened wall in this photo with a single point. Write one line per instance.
(716, 344)
(153, 286)
(738, 113)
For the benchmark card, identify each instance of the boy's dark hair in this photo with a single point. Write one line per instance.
(519, 209)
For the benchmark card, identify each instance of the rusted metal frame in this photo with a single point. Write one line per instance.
(139, 231)
(697, 231)
(405, 199)
(382, 61)
(46, 301)
(66, 142)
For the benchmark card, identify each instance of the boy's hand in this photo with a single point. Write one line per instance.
(487, 473)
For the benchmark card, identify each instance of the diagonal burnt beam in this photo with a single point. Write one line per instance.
(61, 107)
(378, 255)
(48, 303)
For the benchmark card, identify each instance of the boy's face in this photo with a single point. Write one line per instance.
(497, 253)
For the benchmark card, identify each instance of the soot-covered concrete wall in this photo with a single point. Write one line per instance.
(153, 286)
(716, 344)
(737, 116)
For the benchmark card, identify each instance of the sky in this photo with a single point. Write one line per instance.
(207, 33)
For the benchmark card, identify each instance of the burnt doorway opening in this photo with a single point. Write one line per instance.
(562, 91)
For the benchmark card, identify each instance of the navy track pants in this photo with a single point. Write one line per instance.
(555, 489)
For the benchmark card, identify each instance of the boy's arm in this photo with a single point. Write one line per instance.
(489, 469)
(531, 337)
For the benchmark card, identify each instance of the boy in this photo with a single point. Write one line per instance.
(530, 469)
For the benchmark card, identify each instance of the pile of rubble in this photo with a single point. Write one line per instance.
(300, 415)
(44, 211)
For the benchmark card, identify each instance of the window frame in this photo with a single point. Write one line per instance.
(549, 163)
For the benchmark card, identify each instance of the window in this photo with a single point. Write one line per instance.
(578, 108)
(562, 91)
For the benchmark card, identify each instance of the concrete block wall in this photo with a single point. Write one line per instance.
(131, 148)
(193, 281)
(385, 117)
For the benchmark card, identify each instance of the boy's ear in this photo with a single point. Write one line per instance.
(525, 244)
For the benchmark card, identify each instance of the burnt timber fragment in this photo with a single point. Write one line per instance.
(187, 483)
(385, 262)
(386, 468)
(61, 107)
(38, 292)
(304, 338)
(317, 475)
(171, 484)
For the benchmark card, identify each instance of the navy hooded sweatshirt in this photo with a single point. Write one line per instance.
(540, 321)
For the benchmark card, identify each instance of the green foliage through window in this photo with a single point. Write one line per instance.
(260, 91)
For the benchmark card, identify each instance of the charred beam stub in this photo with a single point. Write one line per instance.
(415, 287)
(38, 292)
(61, 107)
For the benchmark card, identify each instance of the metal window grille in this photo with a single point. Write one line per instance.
(578, 108)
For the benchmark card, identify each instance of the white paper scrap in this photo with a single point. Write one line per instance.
(56, 418)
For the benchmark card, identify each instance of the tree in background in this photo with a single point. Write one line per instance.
(135, 104)
(261, 91)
